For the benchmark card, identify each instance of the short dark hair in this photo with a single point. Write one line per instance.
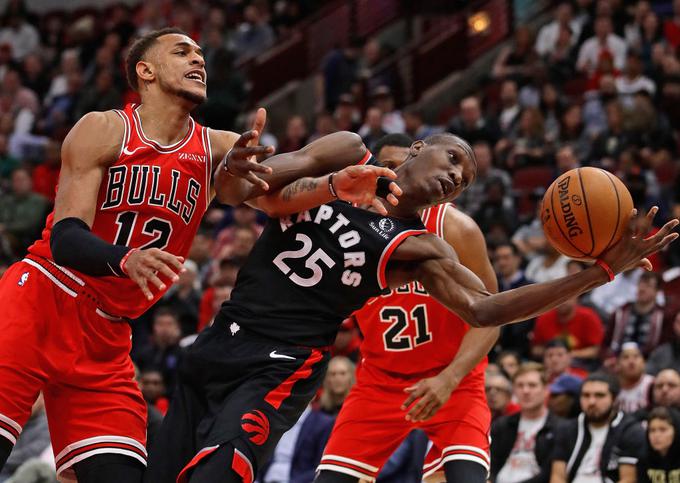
(443, 137)
(140, 48)
(531, 366)
(610, 381)
(662, 413)
(557, 342)
(166, 311)
(513, 247)
(652, 276)
(394, 139)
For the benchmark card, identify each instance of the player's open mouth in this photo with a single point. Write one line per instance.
(447, 186)
(196, 75)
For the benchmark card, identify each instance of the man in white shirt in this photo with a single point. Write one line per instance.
(521, 444)
(602, 444)
(21, 36)
(635, 384)
(603, 40)
(547, 36)
(633, 81)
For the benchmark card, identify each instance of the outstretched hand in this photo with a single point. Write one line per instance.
(242, 159)
(358, 185)
(631, 251)
(431, 394)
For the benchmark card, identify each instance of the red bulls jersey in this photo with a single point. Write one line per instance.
(408, 332)
(153, 196)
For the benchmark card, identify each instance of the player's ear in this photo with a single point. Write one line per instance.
(145, 71)
(415, 148)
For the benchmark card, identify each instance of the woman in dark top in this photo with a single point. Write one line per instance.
(660, 461)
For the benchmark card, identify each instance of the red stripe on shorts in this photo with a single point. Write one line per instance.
(276, 396)
(183, 476)
(242, 467)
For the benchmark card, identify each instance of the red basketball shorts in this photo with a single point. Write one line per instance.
(371, 426)
(54, 339)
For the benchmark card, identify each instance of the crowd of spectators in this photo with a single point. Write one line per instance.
(598, 85)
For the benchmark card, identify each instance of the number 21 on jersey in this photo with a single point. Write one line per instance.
(394, 337)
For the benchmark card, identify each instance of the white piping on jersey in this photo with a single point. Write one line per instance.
(51, 277)
(156, 145)
(126, 131)
(208, 165)
(397, 239)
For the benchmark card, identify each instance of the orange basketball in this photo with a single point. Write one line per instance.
(585, 211)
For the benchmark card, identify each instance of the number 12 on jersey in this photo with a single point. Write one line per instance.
(394, 338)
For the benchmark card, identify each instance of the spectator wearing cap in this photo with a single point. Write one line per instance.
(564, 395)
(471, 125)
(640, 321)
(499, 395)
(660, 461)
(602, 444)
(668, 354)
(578, 325)
(557, 361)
(635, 384)
(521, 444)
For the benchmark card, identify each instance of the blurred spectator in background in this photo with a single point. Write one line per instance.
(496, 214)
(46, 174)
(633, 81)
(549, 264)
(184, 298)
(499, 395)
(564, 396)
(517, 62)
(579, 326)
(254, 35)
(635, 384)
(566, 159)
(392, 120)
(666, 388)
(347, 115)
(508, 117)
(666, 355)
(640, 321)
(549, 34)
(22, 37)
(660, 460)
(522, 444)
(417, 129)
(509, 361)
(604, 41)
(153, 389)
(573, 132)
(671, 26)
(163, 352)
(22, 212)
(507, 261)
(528, 148)
(602, 444)
(372, 130)
(325, 125)
(296, 135)
(226, 93)
(472, 198)
(557, 361)
(102, 96)
(338, 71)
(471, 125)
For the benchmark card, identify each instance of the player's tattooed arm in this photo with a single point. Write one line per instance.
(431, 261)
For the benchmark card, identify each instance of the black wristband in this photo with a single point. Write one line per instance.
(75, 246)
(383, 188)
(331, 188)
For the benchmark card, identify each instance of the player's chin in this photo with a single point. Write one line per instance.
(197, 95)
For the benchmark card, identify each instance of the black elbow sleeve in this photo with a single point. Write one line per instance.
(74, 245)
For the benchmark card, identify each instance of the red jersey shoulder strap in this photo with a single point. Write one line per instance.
(127, 133)
(433, 219)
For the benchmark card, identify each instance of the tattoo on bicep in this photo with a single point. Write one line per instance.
(304, 184)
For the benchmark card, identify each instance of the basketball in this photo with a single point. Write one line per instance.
(585, 211)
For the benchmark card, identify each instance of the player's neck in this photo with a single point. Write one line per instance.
(164, 122)
(409, 206)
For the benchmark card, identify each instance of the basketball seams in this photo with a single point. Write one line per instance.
(618, 208)
(557, 222)
(585, 205)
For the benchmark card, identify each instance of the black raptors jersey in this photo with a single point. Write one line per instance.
(310, 271)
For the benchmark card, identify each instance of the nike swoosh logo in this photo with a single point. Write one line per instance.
(127, 152)
(274, 355)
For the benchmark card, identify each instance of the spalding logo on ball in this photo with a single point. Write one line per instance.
(585, 211)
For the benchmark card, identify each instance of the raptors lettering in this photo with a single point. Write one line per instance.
(347, 239)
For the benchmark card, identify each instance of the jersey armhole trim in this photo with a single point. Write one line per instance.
(387, 253)
(366, 157)
(126, 131)
(208, 165)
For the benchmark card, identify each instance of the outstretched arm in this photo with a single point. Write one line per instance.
(435, 265)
